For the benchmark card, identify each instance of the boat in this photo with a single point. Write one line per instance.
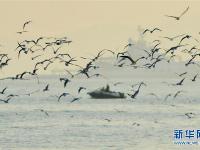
(105, 93)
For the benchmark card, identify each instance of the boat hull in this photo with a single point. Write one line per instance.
(106, 95)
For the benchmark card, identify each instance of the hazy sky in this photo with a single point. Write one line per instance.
(93, 25)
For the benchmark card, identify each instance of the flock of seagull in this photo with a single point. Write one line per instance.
(37, 48)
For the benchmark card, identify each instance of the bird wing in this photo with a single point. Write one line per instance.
(65, 83)
(60, 96)
(75, 99)
(171, 16)
(184, 12)
(178, 36)
(182, 39)
(129, 58)
(79, 90)
(4, 90)
(181, 81)
(156, 29)
(145, 31)
(26, 24)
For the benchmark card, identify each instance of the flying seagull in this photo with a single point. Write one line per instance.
(46, 88)
(3, 91)
(151, 31)
(62, 95)
(179, 17)
(26, 23)
(81, 88)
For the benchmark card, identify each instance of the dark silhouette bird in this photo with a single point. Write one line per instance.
(122, 53)
(33, 58)
(56, 50)
(178, 93)
(6, 100)
(66, 80)
(137, 91)
(180, 82)
(133, 62)
(185, 37)
(45, 112)
(46, 88)
(181, 74)
(4, 63)
(20, 32)
(179, 17)
(69, 62)
(75, 99)
(173, 38)
(151, 31)
(35, 42)
(97, 75)
(121, 65)
(62, 95)
(194, 78)
(189, 115)
(167, 96)
(64, 54)
(81, 88)
(3, 91)
(135, 124)
(26, 23)
(149, 54)
(45, 68)
(109, 120)
(12, 95)
(128, 45)
(172, 49)
(20, 76)
(191, 60)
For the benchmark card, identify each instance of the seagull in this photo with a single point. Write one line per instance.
(109, 120)
(137, 91)
(65, 81)
(56, 50)
(75, 99)
(135, 123)
(35, 57)
(194, 78)
(172, 38)
(133, 62)
(46, 88)
(179, 17)
(20, 32)
(181, 74)
(62, 95)
(151, 31)
(189, 115)
(167, 96)
(6, 101)
(34, 41)
(81, 88)
(45, 112)
(128, 45)
(3, 91)
(185, 37)
(177, 93)
(26, 23)
(180, 83)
